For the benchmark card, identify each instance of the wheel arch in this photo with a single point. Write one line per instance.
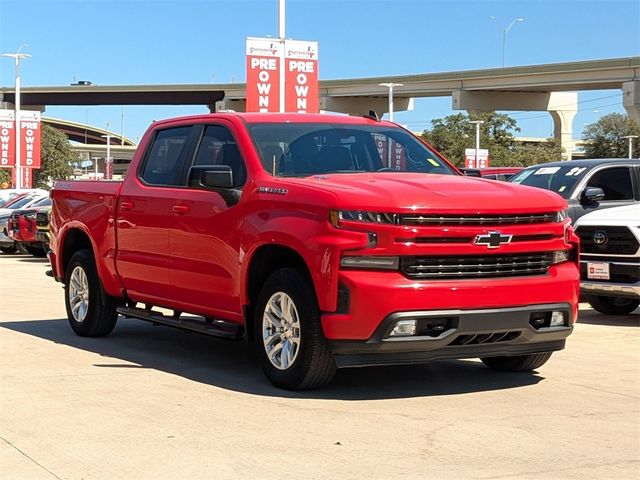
(265, 260)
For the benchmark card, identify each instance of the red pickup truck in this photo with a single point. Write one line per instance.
(328, 241)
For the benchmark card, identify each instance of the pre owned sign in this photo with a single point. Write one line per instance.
(265, 57)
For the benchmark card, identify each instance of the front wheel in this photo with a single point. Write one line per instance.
(613, 305)
(520, 363)
(288, 335)
(91, 312)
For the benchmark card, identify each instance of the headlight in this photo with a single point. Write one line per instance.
(370, 262)
(336, 217)
(561, 216)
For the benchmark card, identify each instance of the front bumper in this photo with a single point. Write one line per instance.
(472, 333)
(611, 289)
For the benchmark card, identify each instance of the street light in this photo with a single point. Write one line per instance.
(477, 123)
(390, 87)
(504, 36)
(630, 138)
(17, 57)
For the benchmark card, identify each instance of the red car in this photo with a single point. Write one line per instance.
(22, 229)
(328, 241)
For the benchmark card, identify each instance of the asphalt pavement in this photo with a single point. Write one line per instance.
(151, 402)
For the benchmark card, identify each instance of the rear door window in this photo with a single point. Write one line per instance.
(163, 164)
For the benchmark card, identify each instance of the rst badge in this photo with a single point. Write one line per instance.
(493, 239)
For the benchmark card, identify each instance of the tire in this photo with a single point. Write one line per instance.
(8, 250)
(97, 314)
(521, 363)
(310, 363)
(613, 305)
(35, 251)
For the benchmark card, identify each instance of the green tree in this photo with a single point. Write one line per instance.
(453, 134)
(56, 156)
(5, 176)
(605, 138)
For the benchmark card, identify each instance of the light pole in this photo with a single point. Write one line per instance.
(17, 57)
(477, 123)
(390, 87)
(630, 138)
(281, 39)
(504, 34)
(107, 162)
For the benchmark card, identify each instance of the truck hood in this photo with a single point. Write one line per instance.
(629, 214)
(412, 192)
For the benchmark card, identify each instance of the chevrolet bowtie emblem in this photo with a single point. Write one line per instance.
(493, 239)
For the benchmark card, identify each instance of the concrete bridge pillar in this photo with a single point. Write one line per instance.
(631, 99)
(562, 106)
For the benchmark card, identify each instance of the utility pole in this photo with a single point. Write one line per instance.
(108, 167)
(281, 35)
(390, 87)
(630, 139)
(17, 57)
(477, 123)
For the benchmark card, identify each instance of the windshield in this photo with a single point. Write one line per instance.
(557, 179)
(294, 149)
(19, 202)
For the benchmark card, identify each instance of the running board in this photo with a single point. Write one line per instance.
(216, 328)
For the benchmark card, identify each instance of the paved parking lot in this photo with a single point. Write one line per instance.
(150, 402)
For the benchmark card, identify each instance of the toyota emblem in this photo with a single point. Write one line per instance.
(600, 238)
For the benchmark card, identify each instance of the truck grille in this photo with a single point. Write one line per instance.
(476, 266)
(616, 240)
(435, 220)
(42, 219)
(479, 338)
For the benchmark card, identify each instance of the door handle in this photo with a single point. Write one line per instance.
(180, 209)
(125, 205)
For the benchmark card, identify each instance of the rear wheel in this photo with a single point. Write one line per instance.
(288, 335)
(613, 305)
(521, 363)
(91, 312)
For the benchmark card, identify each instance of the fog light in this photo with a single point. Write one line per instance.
(404, 328)
(557, 319)
(560, 256)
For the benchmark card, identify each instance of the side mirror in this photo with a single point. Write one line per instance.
(471, 172)
(593, 194)
(211, 176)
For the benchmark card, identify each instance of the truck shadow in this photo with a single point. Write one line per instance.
(591, 317)
(232, 365)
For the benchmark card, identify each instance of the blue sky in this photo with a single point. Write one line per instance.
(202, 41)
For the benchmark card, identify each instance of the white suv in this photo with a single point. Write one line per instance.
(610, 259)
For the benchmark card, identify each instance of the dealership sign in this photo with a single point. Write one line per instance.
(470, 160)
(263, 74)
(301, 76)
(30, 144)
(282, 75)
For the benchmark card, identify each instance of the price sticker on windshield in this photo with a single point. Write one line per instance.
(575, 171)
(547, 170)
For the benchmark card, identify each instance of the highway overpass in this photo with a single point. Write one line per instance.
(550, 87)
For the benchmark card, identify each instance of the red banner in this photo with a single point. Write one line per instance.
(7, 139)
(30, 136)
(263, 75)
(27, 177)
(301, 76)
